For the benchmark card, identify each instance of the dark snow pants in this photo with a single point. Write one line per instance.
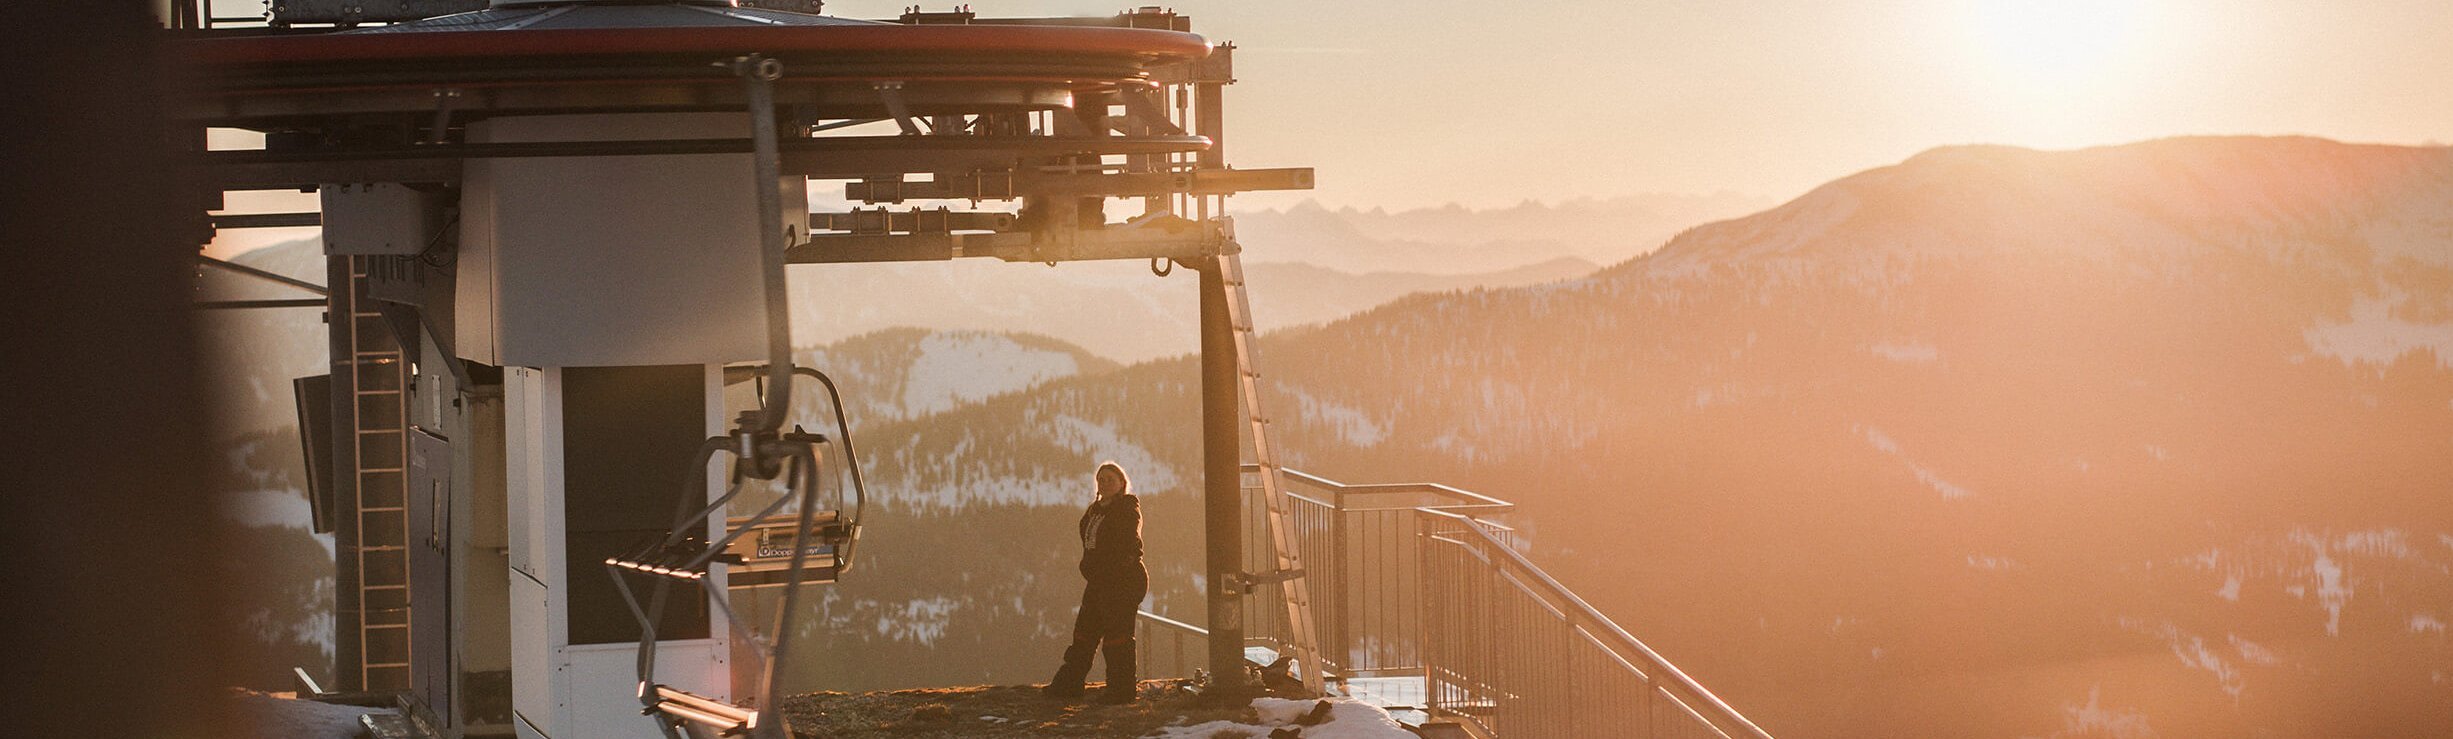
(1105, 620)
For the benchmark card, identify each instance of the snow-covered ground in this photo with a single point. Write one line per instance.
(1347, 719)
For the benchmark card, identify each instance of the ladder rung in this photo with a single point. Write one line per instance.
(383, 587)
(382, 548)
(372, 627)
(382, 509)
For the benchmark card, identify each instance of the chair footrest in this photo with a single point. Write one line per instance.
(725, 718)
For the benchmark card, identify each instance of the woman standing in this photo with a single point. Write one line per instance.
(1111, 562)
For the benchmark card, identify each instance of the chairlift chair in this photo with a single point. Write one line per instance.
(771, 549)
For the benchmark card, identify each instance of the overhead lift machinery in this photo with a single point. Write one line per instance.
(557, 230)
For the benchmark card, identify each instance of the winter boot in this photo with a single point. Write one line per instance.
(1067, 684)
(1122, 686)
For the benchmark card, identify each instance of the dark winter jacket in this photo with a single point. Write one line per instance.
(1111, 540)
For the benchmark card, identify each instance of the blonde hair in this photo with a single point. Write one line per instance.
(1126, 480)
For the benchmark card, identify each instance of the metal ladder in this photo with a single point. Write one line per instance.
(1289, 576)
(379, 456)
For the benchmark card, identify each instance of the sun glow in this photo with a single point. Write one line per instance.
(2054, 47)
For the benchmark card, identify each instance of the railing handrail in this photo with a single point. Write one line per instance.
(1468, 499)
(1174, 624)
(1604, 630)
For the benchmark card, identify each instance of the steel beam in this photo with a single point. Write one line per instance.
(1221, 489)
(882, 221)
(235, 304)
(1006, 186)
(1177, 239)
(828, 157)
(267, 220)
(264, 275)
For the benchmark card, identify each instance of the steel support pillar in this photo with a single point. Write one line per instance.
(1222, 489)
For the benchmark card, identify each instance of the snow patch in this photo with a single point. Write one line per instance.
(1348, 719)
(920, 620)
(1102, 441)
(1991, 563)
(2196, 653)
(2253, 653)
(2422, 623)
(1884, 443)
(2094, 720)
(281, 508)
(1906, 352)
(2374, 336)
(1451, 443)
(2334, 588)
(2331, 591)
(1353, 425)
(952, 369)
(972, 481)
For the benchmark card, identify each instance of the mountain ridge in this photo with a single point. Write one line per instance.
(1855, 490)
(2149, 179)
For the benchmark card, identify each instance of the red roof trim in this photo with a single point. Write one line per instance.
(857, 40)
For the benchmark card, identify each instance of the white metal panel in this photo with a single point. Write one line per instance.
(605, 703)
(473, 311)
(532, 434)
(719, 630)
(539, 681)
(615, 261)
(532, 431)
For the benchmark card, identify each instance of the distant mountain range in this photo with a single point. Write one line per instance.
(1453, 239)
(2152, 439)
(1117, 310)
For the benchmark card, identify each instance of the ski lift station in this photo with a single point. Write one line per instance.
(555, 446)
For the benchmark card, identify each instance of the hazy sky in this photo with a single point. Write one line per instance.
(1429, 101)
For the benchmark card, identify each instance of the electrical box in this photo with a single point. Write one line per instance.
(797, 6)
(380, 218)
(354, 12)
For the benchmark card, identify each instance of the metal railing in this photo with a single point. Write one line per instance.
(1512, 651)
(1412, 580)
(1169, 648)
(1359, 544)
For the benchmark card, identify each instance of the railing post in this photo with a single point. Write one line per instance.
(1651, 713)
(1341, 599)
